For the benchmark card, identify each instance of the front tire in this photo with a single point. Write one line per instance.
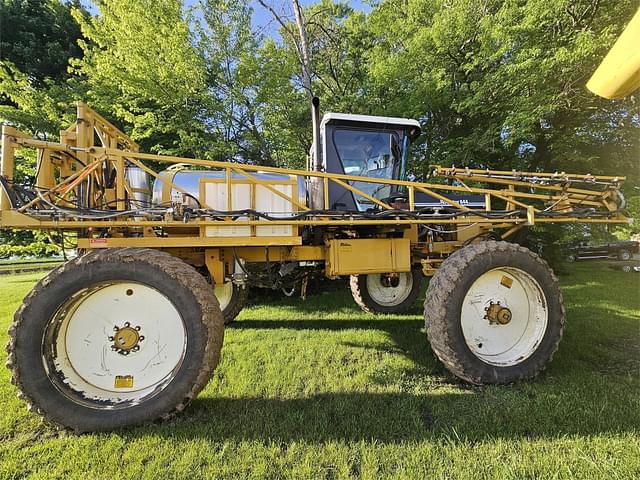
(386, 293)
(624, 255)
(494, 313)
(115, 338)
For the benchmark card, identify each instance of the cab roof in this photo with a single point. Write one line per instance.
(408, 124)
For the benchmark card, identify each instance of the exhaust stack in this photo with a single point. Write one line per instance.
(317, 149)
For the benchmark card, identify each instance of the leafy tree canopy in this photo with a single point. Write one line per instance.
(38, 38)
(494, 83)
(501, 83)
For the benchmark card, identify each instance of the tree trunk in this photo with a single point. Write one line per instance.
(305, 57)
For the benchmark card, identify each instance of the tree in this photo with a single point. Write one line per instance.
(501, 84)
(36, 90)
(181, 77)
(626, 232)
(228, 45)
(141, 67)
(39, 38)
(337, 40)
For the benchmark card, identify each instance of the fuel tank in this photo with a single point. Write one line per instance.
(194, 182)
(140, 185)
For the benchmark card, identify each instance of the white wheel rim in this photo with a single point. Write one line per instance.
(224, 293)
(504, 344)
(389, 296)
(87, 365)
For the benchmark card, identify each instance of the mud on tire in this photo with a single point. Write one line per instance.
(232, 303)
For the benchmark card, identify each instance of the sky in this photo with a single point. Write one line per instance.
(262, 19)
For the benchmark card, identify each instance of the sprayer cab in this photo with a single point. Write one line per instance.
(364, 146)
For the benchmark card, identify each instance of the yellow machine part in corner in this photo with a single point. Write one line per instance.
(619, 73)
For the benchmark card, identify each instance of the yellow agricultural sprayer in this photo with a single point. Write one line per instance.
(131, 330)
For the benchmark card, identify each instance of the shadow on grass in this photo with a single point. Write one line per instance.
(588, 390)
(471, 416)
(576, 397)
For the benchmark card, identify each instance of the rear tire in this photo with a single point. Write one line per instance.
(378, 293)
(232, 299)
(514, 342)
(115, 338)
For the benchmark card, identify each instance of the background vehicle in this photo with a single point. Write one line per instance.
(621, 250)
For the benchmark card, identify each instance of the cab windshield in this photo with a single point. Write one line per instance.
(369, 153)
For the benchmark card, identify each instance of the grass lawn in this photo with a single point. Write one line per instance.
(319, 389)
(29, 264)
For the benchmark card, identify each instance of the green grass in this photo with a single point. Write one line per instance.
(45, 260)
(318, 389)
(29, 266)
